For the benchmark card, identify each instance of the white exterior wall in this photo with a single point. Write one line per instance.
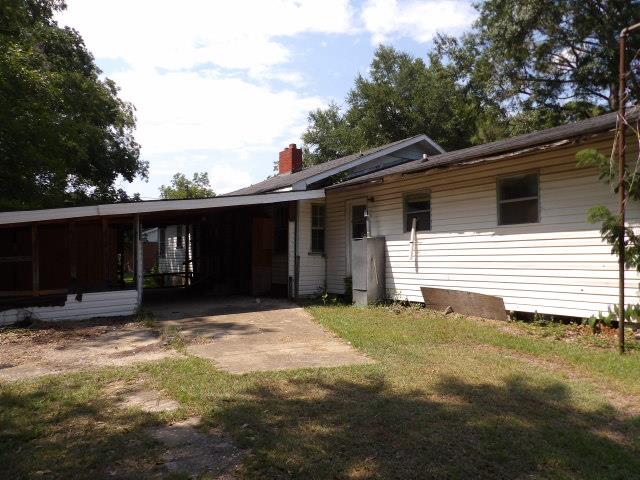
(97, 304)
(558, 266)
(312, 265)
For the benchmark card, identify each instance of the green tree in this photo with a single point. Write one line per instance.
(181, 187)
(610, 225)
(65, 135)
(543, 62)
(400, 97)
(328, 136)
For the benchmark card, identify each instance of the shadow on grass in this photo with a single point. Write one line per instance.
(315, 428)
(52, 429)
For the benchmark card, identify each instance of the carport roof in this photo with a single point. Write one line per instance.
(153, 206)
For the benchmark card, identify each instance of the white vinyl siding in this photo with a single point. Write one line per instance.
(557, 266)
(312, 265)
(98, 304)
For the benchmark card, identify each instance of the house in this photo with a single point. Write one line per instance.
(506, 218)
(165, 253)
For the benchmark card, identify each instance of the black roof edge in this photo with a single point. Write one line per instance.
(538, 138)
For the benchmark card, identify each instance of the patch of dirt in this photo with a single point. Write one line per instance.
(191, 451)
(605, 338)
(50, 348)
(56, 332)
(137, 396)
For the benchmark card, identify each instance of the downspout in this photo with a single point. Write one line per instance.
(621, 172)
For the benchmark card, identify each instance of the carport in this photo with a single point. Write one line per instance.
(83, 262)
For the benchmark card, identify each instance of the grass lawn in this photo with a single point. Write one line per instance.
(448, 397)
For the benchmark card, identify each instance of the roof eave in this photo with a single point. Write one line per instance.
(468, 161)
(116, 209)
(304, 184)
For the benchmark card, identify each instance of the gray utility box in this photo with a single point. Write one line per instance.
(367, 270)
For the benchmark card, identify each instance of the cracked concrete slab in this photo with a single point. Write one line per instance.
(240, 334)
(190, 450)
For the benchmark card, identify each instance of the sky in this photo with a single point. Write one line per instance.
(223, 86)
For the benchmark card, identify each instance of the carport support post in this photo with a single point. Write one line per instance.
(139, 265)
(35, 260)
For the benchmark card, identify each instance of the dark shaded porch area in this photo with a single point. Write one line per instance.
(43, 262)
(217, 251)
(225, 251)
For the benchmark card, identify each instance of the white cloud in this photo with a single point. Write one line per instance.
(182, 111)
(227, 178)
(418, 20)
(239, 34)
(200, 75)
(213, 82)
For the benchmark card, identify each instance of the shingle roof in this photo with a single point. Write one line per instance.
(287, 180)
(542, 137)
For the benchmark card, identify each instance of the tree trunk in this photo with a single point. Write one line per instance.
(613, 96)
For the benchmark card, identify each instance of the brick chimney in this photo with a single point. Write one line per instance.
(290, 160)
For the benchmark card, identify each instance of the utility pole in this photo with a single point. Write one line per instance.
(622, 99)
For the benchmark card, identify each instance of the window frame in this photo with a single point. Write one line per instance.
(405, 212)
(323, 228)
(499, 202)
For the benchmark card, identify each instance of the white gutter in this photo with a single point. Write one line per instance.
(7, 218)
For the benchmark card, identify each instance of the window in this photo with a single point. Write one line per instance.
(281, 230)
(178, 236)
(418, 206)
(358, 221)
(518, 199)
(317, 228)
(162, 242)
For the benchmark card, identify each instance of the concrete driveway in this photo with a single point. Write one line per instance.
(238, 334)
(243, 334)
